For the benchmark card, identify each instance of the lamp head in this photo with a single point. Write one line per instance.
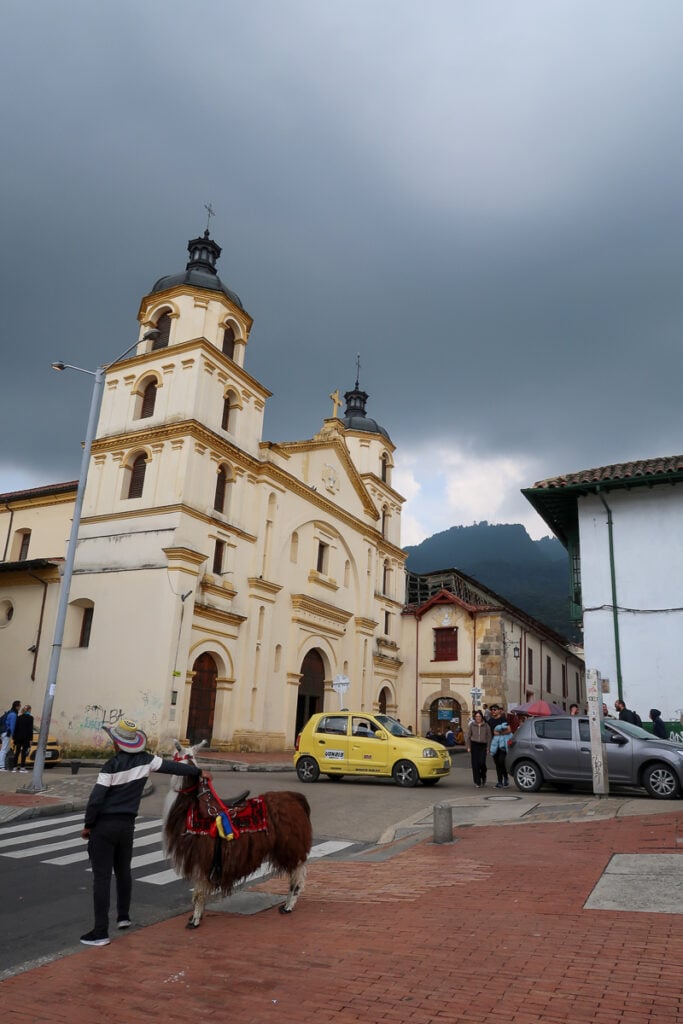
(58, 366)
(153, 332)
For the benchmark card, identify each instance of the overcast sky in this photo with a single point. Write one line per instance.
(481, 198)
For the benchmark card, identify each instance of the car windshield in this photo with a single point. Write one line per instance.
(392, 726)
(634, 730)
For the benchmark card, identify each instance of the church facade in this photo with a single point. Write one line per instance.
(221, 583)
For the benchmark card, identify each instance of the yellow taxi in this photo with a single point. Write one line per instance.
(53, 751)
(340, 743)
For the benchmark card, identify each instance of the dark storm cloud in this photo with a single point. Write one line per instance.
(482, 199)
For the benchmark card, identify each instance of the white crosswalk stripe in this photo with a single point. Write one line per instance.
(28, 840)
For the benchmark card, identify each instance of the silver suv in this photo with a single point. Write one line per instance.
(557, 750)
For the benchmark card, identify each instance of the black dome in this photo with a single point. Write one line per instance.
(200, 271)
(356, 418)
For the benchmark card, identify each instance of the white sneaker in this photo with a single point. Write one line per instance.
(24, 770)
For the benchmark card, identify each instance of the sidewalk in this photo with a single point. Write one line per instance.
(505, 923)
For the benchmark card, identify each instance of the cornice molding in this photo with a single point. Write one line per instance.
(313, 606)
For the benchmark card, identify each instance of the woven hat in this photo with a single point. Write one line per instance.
(127, 736)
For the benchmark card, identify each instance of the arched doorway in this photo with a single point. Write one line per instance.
(442, 711)
(202, 699)
(311, 689)
(383, 700)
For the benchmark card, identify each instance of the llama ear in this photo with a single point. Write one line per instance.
(176, 744)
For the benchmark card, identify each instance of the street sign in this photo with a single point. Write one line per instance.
(340, 685)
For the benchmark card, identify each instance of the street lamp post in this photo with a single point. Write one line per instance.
(37, 785)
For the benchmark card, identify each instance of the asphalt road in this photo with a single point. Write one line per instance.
(47, 901)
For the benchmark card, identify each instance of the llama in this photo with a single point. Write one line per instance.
(216, 865)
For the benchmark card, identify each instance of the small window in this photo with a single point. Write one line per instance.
(219, 498)
(548, 673)
(218, 553)
(323, 558)
(149, 397)
(227, 409)
(137, 477)
(163, 325)
(333, 724)
(86, 626)
(564, 682)
(229, 342)
(446, 644)
(385, 467)
(385, 521)
(554, 729)
(530, 668)
(387, 623)
(24, 546)
(386, 577)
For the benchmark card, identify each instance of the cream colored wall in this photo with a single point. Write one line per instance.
(49, 525)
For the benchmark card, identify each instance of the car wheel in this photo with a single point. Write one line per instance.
(307, 769)
(660, 781)
(430, 782)
(335, 778)
(405, 774)
(527, 776)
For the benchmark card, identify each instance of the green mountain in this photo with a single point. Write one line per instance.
(532, 574)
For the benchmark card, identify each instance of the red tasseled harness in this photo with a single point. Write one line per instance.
(207, 815)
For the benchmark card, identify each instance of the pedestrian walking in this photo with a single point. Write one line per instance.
(477, 743)
(625, 714)
(658, 727)
(110, 822)
(499, 749)
(7, 733)
(23, 738)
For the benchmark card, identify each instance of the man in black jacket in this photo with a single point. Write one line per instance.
(110, 822)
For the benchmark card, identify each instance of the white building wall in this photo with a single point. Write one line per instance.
(648, 555)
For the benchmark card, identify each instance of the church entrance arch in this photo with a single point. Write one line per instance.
(202, 699)
(442, 711)
(311, 689)
(384, 699)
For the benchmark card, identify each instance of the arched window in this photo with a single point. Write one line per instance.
(137, 476)
(386, 576)
(149, 397)
(229, 342)
(227, 409)
(163, 325)
(294, 548)
(385, 520)
(221, 482)
(385, 467)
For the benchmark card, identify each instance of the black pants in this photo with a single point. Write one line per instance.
(501, 767)
(478, 757)
(110, 848)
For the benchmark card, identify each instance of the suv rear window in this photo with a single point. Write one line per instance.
(554, 729)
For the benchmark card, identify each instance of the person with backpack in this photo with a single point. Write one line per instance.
(626, 715)
(7, 725)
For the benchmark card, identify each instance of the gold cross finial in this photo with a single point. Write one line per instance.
(336, 402)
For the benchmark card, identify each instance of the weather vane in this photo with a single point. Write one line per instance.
(209, 210)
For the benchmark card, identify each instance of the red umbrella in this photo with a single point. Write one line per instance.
(542, 708)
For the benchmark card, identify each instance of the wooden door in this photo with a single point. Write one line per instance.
(202, 699)
(311, 689)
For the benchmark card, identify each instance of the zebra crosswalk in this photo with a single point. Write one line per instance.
(43, 838)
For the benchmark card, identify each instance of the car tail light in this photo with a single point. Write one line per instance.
(296, 745)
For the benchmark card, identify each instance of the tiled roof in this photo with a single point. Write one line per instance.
(39, 492)
(640, 472)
